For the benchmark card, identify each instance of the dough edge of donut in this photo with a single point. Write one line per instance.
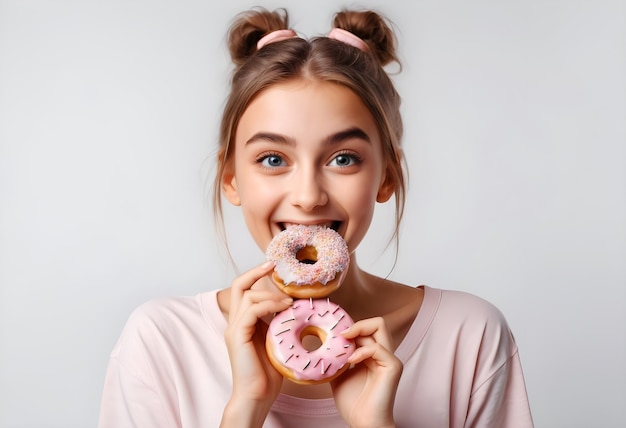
(306, 291)
(289, 374)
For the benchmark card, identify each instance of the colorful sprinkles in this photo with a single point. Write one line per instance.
(332, 254)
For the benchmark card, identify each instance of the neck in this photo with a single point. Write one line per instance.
(355, 291)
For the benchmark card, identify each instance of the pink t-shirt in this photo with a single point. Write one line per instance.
(170, 368)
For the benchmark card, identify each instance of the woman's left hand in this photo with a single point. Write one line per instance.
(365, 394)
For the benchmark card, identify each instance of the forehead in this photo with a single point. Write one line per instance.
(306, 108)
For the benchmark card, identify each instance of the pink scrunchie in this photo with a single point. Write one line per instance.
(348, 38)
(336, 34)
(275, 36)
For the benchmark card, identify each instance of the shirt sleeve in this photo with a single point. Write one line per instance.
(129, 402)
(498, 395)
(501, 401)
(489, 391)
(135, 392)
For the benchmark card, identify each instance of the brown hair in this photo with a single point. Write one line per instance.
(322, 59)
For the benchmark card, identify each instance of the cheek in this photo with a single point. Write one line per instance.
(257, 195)
(358, 201)
(362, 191)
(363, 199)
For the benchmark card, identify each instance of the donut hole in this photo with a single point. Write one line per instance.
(312, 338)
(307, 255)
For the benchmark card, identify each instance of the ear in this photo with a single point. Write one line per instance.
(386, 188)
(229, 188)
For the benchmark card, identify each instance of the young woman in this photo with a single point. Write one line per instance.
(311, 135)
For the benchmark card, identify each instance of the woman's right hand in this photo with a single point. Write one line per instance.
(255, 382)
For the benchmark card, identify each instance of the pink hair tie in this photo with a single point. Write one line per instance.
(275, 36)
(348, 38)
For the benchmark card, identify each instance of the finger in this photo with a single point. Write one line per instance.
(375, 355)
(379, 361)
(375, 328)
(250, 297)
(245, 281)
(253, 297)
(242, 327)
(257, 297)
(364, 341)
(258, 310)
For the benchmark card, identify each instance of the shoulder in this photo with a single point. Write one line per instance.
(461, 306)
(473, 321)
(163, 321)
(163, 311)
(472, 332)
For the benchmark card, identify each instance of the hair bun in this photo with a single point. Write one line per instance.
(249, 27)
(373, 29)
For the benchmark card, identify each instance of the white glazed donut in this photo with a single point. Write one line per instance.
(321, 318)
(310, 261)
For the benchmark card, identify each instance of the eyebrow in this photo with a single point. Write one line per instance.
(348, 134)
(271, 137)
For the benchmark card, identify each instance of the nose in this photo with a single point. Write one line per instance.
(307, 190)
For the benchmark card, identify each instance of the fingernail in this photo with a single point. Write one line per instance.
(288, 300)
(267, 264)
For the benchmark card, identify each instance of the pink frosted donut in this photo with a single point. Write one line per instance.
(310, 261)
(321, 318)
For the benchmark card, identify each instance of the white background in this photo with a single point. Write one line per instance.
(515, 118)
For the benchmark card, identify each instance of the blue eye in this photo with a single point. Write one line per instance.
(345, 159)
(271, 161)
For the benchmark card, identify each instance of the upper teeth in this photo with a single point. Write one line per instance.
(327, 224)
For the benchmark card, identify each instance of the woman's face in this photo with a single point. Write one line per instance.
(307, 153)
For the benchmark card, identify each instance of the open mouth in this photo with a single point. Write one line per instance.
(331, 224)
